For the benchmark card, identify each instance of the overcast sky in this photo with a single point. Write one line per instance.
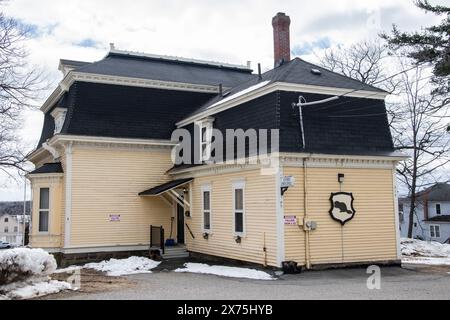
(233, 31)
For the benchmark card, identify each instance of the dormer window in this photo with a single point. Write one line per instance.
(59, 114)
(205, 127)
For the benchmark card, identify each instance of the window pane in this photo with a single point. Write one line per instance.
(44, 198)
(437, 231)
(438, 208)
(204, 137)
(206, 202)
(239, 199)
(43, 221)
(206, 220)
(432, 231)
(238, 222)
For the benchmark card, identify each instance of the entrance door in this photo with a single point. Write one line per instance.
(180, 224)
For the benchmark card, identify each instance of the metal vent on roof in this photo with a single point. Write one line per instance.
(317, 72)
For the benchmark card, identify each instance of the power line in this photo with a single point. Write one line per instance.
(357, 98)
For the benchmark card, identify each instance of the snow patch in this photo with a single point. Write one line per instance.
(224, 271)
(22, 263)
(240, 93)
(120, 267)
(70, 269)
(424, 252)
(32, 288)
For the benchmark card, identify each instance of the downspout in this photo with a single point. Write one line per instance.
(305, 216)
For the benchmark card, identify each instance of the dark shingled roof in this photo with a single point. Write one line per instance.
(437, 192)
(14, 208)
(124, 65)
(74, 63)
(49, 168)
(165, 187)
(443, 218)
(296, 71)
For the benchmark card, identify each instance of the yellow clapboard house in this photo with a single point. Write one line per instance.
(106, 183)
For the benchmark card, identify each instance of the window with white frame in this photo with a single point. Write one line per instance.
(435, 231)
(206, 131)
(438, 208)
(15, 229)
(6, 219)
(44, 209)
(59, 115)
(239, 208)
(206, 207)
(6, 230)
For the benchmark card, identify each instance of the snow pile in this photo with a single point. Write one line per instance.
(32, 289)
(240, 93)
(425, 252)
(119, 267)
(23, 263)
(225, 271)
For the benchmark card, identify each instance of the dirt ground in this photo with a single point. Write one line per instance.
(92, 281)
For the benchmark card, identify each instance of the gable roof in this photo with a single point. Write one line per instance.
(437, 192)
(170, 69)
(296, 71)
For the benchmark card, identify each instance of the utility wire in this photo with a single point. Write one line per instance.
(357, 98)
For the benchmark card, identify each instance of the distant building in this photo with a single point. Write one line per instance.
(432, 217)
(11, 221)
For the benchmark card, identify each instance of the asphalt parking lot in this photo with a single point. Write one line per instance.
(410, 282)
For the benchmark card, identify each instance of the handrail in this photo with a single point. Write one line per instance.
(190, 231)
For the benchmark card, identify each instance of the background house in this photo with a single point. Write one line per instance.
(432, 216)
(11, 221)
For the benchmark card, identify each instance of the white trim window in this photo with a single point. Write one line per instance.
(44, 210)
(206, 208)
(435, 231)
(438, 209)
(59, 115)
(206, 132)
(239, 208)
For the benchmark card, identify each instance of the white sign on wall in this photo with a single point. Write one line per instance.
(114, 217)
(290, 220)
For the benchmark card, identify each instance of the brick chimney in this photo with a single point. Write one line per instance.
(282, 47)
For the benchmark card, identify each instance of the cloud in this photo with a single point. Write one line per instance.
(307, 48)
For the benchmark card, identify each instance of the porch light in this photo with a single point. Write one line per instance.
(205, 235)
(238, 239)
(341, 177)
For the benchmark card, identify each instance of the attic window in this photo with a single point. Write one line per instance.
(316, 72)
(59, 114)
(205, 127)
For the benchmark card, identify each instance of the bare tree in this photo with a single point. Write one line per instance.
(420, 131)
(20, 84)
(364, 61)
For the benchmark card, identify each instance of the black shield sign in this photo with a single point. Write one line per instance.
(342, 207)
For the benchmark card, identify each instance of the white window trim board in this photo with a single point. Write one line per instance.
(68, 200)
